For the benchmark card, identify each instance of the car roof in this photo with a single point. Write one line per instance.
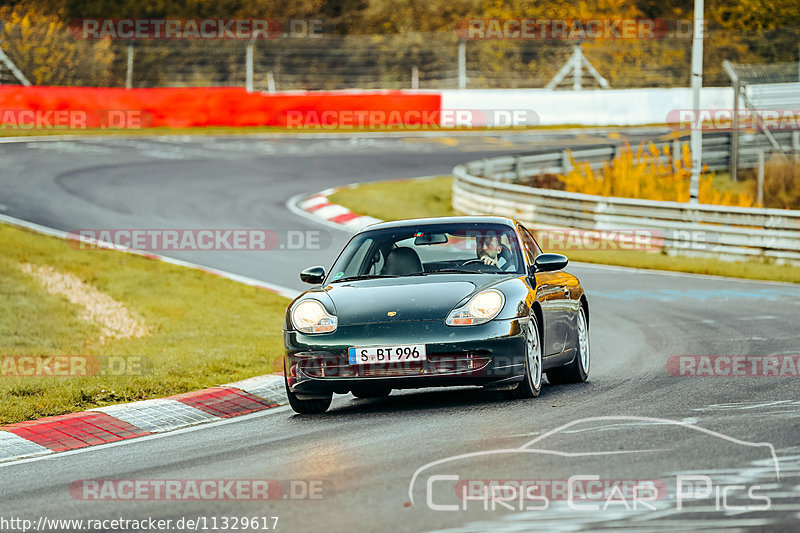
(466, 219)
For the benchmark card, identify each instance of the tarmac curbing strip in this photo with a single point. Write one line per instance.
(113, 423)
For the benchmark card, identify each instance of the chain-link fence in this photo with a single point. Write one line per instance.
(428, 60)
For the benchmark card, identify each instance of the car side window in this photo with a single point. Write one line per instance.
(357, 260)
(531, 248)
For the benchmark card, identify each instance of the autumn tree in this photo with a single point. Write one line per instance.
(40, 43)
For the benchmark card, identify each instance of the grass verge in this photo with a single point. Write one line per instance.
(8, 131)
(205, 330)
(395, 200)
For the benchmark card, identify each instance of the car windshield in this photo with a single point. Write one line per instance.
(429, 249)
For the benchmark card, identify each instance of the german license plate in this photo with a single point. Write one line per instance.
(368, 355)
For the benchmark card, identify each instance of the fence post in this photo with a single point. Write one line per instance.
(249, 67)
(696, 140)
(462, 64)
(270, 82)
(129, 71)
(761, 164)
(735, 132)
(415, 77)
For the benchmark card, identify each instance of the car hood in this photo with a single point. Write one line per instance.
(429, 297)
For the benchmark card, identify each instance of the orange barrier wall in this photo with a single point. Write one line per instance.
(76, 107)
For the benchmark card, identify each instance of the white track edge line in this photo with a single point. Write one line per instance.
(286, 292)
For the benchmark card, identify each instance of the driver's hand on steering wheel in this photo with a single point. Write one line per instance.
(488, 260)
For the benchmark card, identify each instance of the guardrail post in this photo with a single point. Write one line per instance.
(676, 154)
(566, 165)
(487, 168)
(761, 164)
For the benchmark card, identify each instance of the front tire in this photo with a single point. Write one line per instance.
(307, 407)
(578, 370)
(531, 385)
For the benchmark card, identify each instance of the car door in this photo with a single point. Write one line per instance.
(551, 294)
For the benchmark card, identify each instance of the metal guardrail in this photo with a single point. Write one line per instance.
(716, 155)
(488, 187)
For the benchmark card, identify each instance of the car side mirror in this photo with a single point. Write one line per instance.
(549, 262)
(314, 275)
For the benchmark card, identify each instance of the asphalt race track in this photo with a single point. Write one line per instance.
(358, 467)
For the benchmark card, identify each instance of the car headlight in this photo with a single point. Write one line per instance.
(310, 316)
(481, 308)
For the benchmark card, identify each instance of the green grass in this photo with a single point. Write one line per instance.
(396, 200)
(8, 131)
(206, 330)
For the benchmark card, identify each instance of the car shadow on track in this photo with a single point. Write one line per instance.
(418, 402)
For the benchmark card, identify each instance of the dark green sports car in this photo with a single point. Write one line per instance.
(434, 302)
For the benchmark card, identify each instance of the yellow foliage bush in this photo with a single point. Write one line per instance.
(649, 174)
(781, 182)
(40, 43)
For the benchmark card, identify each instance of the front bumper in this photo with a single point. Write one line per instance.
(490, 354)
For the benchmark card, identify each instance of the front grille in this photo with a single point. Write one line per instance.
(436, 364)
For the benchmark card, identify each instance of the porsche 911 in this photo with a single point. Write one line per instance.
(436, 302)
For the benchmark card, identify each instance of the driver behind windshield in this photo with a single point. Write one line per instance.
(491, 251)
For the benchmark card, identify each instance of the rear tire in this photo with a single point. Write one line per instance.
(578, 370)
(531, 385)
(372, 393)
(307, 407)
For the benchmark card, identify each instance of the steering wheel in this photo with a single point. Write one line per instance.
(479, 262)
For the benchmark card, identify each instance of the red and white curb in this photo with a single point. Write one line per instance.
(126, 421)
(320, 207)
(137, 419)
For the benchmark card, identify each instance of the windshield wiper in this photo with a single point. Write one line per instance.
(445, 271)
(457, 271)
(364, 276)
